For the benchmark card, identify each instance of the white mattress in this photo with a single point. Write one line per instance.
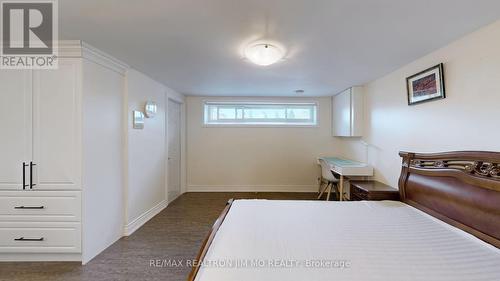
(263, 240)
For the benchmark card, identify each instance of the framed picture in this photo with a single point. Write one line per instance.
(426, 85)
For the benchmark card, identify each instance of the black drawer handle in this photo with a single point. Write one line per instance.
(29, 208)
(31, 175)
(24, 175)
(29, 239)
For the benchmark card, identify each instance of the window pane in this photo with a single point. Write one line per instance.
(212, 112)
(227, 113)
(303, 114)
(264, 113)
(239, 113)
(299, 113)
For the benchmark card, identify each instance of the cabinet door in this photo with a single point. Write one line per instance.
(15, 126)
(56, 126)
(357, 112)
(342, 114)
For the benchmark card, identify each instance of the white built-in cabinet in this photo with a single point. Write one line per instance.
(40, 201)
(40, 113)
(347, 113)
(41, 155)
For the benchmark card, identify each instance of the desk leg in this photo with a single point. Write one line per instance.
(341, 188)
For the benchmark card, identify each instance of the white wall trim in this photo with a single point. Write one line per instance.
(78, 48)
(69, 48)
(142, 219)
(53, 257)
(125, 142)
(173, 95)
(106, 60)
(251, 188)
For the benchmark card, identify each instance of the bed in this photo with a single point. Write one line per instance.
(446, 227)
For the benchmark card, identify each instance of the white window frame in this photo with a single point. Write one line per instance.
(267, 122)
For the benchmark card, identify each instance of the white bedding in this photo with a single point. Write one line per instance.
(262, 240)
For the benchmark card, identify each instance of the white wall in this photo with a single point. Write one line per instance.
(102, 159)
(255, 158)
(145, 149)
(468, 119)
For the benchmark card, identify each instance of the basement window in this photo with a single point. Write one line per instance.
(261, 113)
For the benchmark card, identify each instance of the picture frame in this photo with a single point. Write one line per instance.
(427, 85)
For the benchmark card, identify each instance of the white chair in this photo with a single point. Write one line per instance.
(327, 178)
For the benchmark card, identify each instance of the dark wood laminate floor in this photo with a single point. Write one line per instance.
(174, 234)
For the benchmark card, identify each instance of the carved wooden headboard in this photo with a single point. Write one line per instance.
(461, 188)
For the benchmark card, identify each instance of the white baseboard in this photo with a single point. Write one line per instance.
(39, 257)
(252, 188)
(142, 219)
(171, 198)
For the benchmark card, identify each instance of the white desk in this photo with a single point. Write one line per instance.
(344, 167)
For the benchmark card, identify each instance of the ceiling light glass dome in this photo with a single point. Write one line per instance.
(264, 54)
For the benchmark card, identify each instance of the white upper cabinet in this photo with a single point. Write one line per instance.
(57, 126)
(347, 113)
(15, 127)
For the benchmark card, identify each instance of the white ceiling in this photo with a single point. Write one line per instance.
(194, 46)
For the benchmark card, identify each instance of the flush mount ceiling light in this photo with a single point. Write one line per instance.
(264, 54)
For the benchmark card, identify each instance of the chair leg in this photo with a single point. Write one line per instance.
(329, 191)
(323, 190)
(337, 192)
(320, 185)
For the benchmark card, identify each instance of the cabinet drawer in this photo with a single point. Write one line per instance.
(40, 206)
(40, 237)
